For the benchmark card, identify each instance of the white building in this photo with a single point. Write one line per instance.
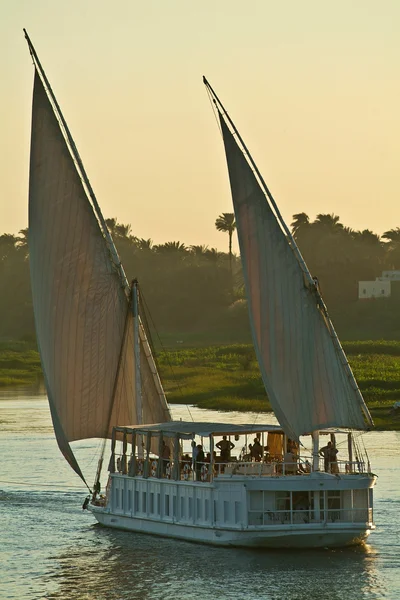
(391, 275)
(380, 288)
(373, 289)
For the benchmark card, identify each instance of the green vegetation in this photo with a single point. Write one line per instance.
(226, 377)
(196, 289)
(19, 364)
(192, 289)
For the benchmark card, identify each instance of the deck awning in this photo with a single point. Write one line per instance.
(189, 429)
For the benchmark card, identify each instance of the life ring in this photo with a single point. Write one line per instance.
(204, 473)
(168, 470)
(186, 471)
(139, 467)
(153, 470)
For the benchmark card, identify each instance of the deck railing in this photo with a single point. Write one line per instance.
(189, 471)
(299, 516)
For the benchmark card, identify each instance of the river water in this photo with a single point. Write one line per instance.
(50, 548)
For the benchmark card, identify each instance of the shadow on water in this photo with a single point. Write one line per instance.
(110, 564)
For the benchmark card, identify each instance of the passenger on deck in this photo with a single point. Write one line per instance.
(267, 456)
(165, 454)
(257, 450)
(329, 453)
(194, 453)
(290, 463)
(199, 462)
(225, 446)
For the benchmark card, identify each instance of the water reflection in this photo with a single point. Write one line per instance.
(112, 565)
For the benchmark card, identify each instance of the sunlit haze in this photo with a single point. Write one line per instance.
(313, 88)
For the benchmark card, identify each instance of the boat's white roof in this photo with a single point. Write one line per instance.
(189, 428)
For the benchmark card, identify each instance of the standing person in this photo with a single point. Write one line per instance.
(165, 454)
(225, 446)
(257, 450)
(199, 462)
(329, 453)
(194, 454)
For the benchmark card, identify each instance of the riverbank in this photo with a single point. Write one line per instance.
(227, 377)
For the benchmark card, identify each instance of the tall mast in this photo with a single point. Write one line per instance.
(136, 345)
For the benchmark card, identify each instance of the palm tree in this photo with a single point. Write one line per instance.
(300, 221)
(393, 246)
(119, 230)
(393, 235)
(328, 221)
(226, 223)
(170, 247)
(198, 250)
(145, 245)
(22, 242)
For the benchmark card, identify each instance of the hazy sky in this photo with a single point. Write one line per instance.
(313, 87)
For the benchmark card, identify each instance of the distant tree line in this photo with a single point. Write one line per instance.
(192, 288)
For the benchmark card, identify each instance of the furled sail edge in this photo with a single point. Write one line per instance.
(309, 281)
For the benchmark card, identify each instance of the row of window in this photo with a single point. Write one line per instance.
(150, 504)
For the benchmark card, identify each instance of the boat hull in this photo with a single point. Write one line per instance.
(305, 536)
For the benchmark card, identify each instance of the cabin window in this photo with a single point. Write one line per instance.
(166, 505)
(237, 512)
(333, 506)
(151, 507)
(174, 502)
(136, 508)
(282, 500)
(215, 511)
(144, 497)
(256, 500)
(226, 511)
(206, 510)
(117, 497)
(190, 508)
(182, 515)
(129, 507)
(360, 498)
(158, 503)
(198, 509)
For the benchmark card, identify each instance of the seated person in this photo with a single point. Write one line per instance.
(290, 463)
(267, 456)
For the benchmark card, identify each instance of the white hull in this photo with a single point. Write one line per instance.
(243, 511)
(313, 536)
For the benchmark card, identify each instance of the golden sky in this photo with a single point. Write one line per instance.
(313, 87)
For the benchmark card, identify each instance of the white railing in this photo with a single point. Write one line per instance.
(187, 471)
(305, 516)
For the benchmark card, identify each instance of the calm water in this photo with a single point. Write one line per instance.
(50, 548)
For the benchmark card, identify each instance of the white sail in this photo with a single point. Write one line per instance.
(307, 382)
(82, 313)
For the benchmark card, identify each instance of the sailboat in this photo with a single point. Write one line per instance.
(165, 477)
